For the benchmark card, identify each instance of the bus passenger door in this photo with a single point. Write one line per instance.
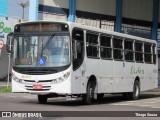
(78, 57)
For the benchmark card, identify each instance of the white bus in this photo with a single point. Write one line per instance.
(54, 59)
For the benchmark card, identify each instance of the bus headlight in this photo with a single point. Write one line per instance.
(17, 79)
(61, 79)
(58, 80)
(66, 75)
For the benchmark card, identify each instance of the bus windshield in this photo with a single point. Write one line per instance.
(41, 51)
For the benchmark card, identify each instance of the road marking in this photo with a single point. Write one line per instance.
(131, 101)
(147, 102)
(120, 104)
(145, 105)
(28, 97)
(156, 107)
(12, 96)
(152, 102)
(157, 100)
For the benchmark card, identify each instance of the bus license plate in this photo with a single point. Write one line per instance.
(37, 87)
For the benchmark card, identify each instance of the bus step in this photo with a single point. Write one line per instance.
(69, 97)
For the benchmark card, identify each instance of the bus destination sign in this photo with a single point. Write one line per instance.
(41, 27)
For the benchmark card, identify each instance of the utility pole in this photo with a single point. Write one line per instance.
(23, 4)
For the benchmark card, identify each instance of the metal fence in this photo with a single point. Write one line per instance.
(136, 30)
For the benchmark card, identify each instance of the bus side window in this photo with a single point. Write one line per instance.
(77, 47)
(138, 51)
(92, 45)
(106, 48)
(118, 49)
(128, 50)
(147, 53)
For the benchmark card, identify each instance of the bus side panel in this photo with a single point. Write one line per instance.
(151, 74)
(106, 73)
(76, 81)
(79, 80)
(144, 72)
(138, 71)
(132, 70)
(92, 68)
(122, 80)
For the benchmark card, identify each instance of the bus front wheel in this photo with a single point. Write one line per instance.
(42, 99)
(89, 96)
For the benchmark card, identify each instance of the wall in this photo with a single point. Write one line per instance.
(3, 63)
(55, 3)
(132, 9)
(137, 17)
(53, 10)
(138, 9)
(96, 13)
(106, 7)
(8, 26)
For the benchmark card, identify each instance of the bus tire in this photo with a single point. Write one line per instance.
(42, 99)
(89, 96)
(136, 91)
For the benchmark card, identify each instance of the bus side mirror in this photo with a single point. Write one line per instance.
(9, 43)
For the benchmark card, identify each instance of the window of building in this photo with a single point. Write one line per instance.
(106, 50)
(117, 49)
(128, 50)
(147, 53)
(92, 45)
(138, 51)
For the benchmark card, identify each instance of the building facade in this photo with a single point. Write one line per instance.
(137, 16)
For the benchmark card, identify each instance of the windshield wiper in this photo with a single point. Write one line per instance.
(49, 39)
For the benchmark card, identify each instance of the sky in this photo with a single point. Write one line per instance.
(15, 10)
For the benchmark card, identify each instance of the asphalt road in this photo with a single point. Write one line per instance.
(149, 101)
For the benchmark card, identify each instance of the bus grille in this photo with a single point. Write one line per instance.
(44, 88)
(41, 81)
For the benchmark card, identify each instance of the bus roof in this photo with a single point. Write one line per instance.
(108, 32)
(94, 29)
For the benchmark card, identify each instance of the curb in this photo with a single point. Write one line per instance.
(154, 90)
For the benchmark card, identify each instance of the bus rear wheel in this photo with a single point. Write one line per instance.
(42, 99)
(136, 91)
(135, 94)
